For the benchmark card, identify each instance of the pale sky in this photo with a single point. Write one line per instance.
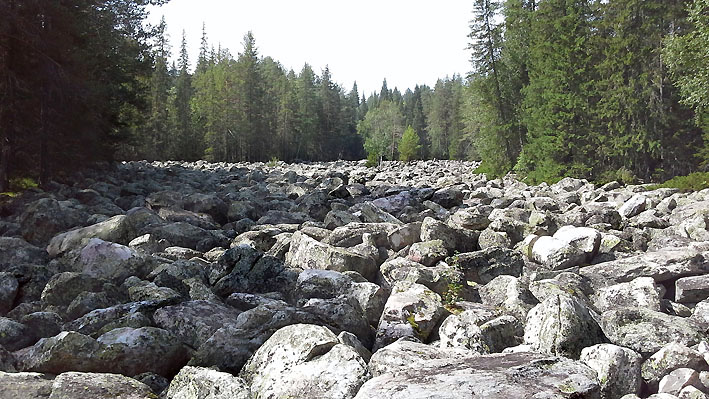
(408, 42)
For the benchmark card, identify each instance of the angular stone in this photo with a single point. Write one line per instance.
(633, 206)
(518, 375)
(403, 355)
(483, 266)
(675, 381)
(692, 289)
(25, 385)
(305, 361)
(618, 369)
(205, 383)
(307, 253)
(663, 265)
(412, 310)
(8, 292)
(510, 295)
(14, 335)
(146, 349)
(670, 357)
(641, 292)
(646, 331)
(195, 321)
(428, 253)
(74, 385)
(561, 325)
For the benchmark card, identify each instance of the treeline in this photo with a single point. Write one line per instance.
(250, 108)
(71, 81)
(601, 89)
(582, 88)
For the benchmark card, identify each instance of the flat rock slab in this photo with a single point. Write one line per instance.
(499, 376)
(663, 265)
(646, 331)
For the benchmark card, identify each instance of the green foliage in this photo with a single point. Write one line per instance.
(273, 162)
(409, 145)
(693, 182)
(622, 175)
(382, 129)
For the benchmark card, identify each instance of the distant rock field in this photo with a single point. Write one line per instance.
(334, 280)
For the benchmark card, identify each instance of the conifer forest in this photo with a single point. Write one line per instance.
(603, 90)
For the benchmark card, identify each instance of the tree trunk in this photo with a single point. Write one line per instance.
(44, 175)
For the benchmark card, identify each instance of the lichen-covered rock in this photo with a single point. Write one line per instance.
(692, 289)
(305, 361)
(646, 331)
(468, 330)
(204, 383)
(8, 292)
(73, 385)
(46, 217)
(64, 287)
(147, 349)
(109, 261)
(510, 294)
(404, 236)
(195, 321)
(483, 266)
(618, 369)
(307, 253)
(14, 335)
(25, 385)
(67, 351)
(519, 375)
(313, 283)
(561, 325)
(633, 206)
(14, 251)
(663, 265)
(670, 357)
(412, 310)
(428, 253)
(641, 292)
(403, 354)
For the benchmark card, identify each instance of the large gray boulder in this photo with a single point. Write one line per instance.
(561, 325)
(74, 385)
(483, 266)
(204, 383)
(147, 349)
(305, 361)
(46, 217)
(412, 310)
(14, 251)
(663, 265)
(510, 294)
(8, 292)
(14, 335)
(519, 375)
(403, 354)
(646, 331)
(195, 321)
(110, 261)
(641, 292)
(484, 335)
(25, 385)
(308, 253)
(120, 229)
(670, 357)
(618, 369)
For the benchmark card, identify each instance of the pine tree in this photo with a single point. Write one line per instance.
(156, 135)
(186, 143)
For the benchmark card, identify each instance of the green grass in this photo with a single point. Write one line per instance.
(692, 182)
(20, 184)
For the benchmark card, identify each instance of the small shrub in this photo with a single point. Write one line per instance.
(693, 182)
(372, 160)
(273, 162)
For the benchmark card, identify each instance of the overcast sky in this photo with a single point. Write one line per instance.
(408, 42)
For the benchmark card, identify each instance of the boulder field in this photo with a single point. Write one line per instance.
(334, 280)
